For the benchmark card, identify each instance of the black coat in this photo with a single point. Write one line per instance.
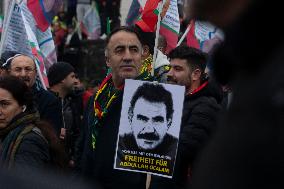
(247, 150)
(28, 149)
(98, 165)
(33, 152)
(199, 120)
(49, 108)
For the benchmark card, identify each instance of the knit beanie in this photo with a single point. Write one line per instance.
(59, 71)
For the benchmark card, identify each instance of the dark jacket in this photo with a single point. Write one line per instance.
(33, 152)
(49, 108)
(98, 164)
(70, 111)
(24, 146)
(247, 149)
(76, 104)
(199, 120)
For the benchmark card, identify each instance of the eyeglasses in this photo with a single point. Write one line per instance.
(26, 69)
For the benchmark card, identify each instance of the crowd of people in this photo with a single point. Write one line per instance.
(67, 25)
(72, 132)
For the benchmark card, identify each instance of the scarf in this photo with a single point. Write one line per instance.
(107, 94)
(13, 135)
(146, 68)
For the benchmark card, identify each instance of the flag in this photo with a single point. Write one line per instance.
(91, 24)
(1, 23)
(25, 37)
(170, 24)
(148, 20)
(34, 44)
(133, 13)
(43, 11)
(203, 36)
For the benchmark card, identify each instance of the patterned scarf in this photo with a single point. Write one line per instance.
(159, 73)
(146, 67)
(17, 129)
(106, 95)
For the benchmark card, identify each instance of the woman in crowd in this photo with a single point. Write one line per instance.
(25, 141)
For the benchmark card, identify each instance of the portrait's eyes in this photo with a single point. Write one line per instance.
(158, 119)
(142, 118)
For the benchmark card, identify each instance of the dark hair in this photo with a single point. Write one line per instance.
(129, 29)
(152, 93)
(58, 156)
(195, 58)
(147, 38)
(19, 90)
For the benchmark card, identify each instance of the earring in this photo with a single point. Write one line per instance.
(24, 108)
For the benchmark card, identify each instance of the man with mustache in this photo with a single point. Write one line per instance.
(150, 116)
(123, 54)
(200, 109)
(23, 67)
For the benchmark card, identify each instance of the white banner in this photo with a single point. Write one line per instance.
(17, 38)
(171, 19)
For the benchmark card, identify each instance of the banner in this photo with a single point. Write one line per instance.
(149, 128)
(25, 37)
(1, 23)
(91, 24)
(203, 35)
(148, 20)
(34, 44)
(43, 11)
(170, 25)
(133, 13)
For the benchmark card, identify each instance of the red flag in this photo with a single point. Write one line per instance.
(43, 11)
(204, 36)
(191, 38)
(149, 17)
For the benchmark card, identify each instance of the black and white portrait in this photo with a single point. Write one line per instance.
(149, 126)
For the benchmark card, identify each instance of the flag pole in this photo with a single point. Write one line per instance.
(161, 4)
(39, 74)
(7, 19)
(184, 35)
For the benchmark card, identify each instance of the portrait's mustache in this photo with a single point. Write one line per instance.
(148, 136)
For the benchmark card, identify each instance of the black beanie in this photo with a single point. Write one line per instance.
(59, 71)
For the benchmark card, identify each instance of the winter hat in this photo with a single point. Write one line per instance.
(59, 71)
(7, 57)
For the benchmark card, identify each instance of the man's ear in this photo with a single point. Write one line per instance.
(196, 75)
(107, 61)
(145, 51)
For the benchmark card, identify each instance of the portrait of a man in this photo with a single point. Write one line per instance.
(149, 127)
(150, 116)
